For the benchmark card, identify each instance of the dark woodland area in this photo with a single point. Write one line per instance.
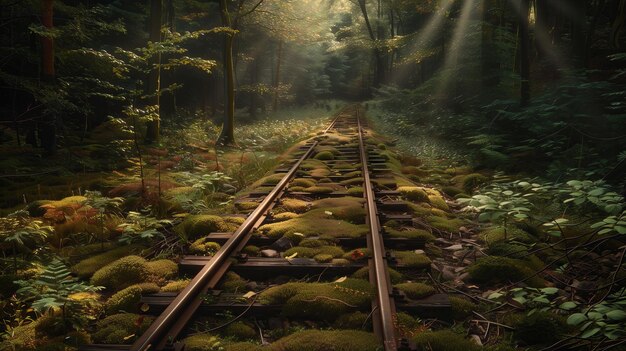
(287, 169)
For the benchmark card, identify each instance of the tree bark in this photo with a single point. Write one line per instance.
(524, 53)
(47, 129)
(227, 135)
(154, 77)
(277, 76)
(380, 64)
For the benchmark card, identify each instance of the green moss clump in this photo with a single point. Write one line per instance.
(413, 193)
(195, 226)
(352, 181)
(406, 324)
(24, 338)
(251, 250)
(452, 191)
(540, 328)
(363, 273)
(244, 346)
(409, 234)
(443, 340)
(324, 340)
(246, 205)
(115, 329)
(319, 190)
(323, 258)
(240, 331)
(353, 174)
(314, 225)
(176, 285)
(507, 249)
(122, 273)
(294, 205)
(438, 201)
(205, 247)
(415, 291)
(127, 300)
(313, 243)
(272, 179)
(283, 216)
(445, 224)
(319, 301)
(332, 251)
(303, 182)
(494, 269)
(234, 220)
(415, 171)
(413, 260)
(356, 320)
(355, 191)
(87, 267)
(203, 342)
(232, 282)
(461, 307)
(325, 155)
(495, 234)
(161, 270)
(472, 181)
(296, 189)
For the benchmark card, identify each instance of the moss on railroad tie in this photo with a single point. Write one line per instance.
(492, 270)
(325, 340)
(195, 226)
(415, 291)
(131, 270)
(115, 329)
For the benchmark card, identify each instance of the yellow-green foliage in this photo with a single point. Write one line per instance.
(438, 201)
(272, 179)
(495, 234)
(539, 328)
(411, 259)
(127, 300)
(203, 246)
(445, 224)
(332, 251)
(491, 270)
(203, 342)
(232, 282)
(175, 285)
(461, 307)
(131, 270)
(320, 301)
(363, 273)
(323, 258)
(325, 155)
(325, 340)
(303, 182)
(355, 191)
(119, 328)
(234, 220)
(443, 340)
(471, 181)
(415, 290)
(314, 223)
(195, 226)
(246, 205)
(71, 201)
(345, 208)
(409, 234)
(413, 193)
(283, 216)
(240, 331)
(87, 267)
(315, 242)
(294, 205)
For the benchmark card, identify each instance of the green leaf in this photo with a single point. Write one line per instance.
(576, 319)
(550, 291)
(589, 333)
(616, 315)
(568, 305)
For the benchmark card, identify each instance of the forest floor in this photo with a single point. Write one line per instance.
(528, 264)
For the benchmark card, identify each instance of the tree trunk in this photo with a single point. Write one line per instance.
(227, 135)
(380, 65)
(490, 65)
(154, 77)
(47, 130)
(524, 53)
(277, 76)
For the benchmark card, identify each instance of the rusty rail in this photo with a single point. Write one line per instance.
(378, 265)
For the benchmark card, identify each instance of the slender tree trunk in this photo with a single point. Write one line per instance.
(592, 29)
(47, 130)
(524, 53)
(227, 135)
(380, 65)
(277, 76)
(154, 77)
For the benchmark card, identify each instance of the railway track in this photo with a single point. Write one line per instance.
(352, 156)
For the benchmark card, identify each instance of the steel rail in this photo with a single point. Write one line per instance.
(384, 301)
(158, 330)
